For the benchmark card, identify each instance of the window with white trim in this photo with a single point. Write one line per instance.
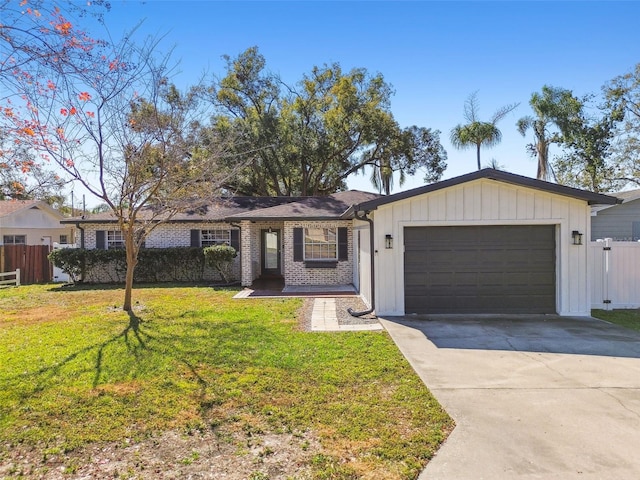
(14, 239)
(217, 236)
(115, 239)
(64, 239)
(320, 244)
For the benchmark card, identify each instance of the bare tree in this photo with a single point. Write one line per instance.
(106, 115)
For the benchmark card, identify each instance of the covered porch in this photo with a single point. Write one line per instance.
(261, 259)
(271, 258)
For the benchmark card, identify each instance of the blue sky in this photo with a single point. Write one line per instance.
(433, 53)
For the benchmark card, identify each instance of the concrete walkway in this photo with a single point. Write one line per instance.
(324, 318)
(547, 398)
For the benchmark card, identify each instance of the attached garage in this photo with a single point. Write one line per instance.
(480, 269)
(486, 242)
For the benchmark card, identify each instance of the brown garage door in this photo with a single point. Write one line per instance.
(480, 269)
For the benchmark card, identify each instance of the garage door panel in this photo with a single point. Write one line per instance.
(462, 257)
(465, 279)
(487, 269)
(416, 282)
(515, 280)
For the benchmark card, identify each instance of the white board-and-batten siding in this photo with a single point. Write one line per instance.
(485, 202)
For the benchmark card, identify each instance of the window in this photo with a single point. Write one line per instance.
(321, 247)
(14, 239)
(115, 239)
(64, 239)
(320, 244)
(209, 238)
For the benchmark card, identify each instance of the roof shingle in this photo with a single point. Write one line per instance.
(247, 208)
(8, 207)
(311, 208)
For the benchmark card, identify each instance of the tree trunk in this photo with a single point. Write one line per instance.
(478, 152)
(543, 161)
(305, 180)
(132, 261)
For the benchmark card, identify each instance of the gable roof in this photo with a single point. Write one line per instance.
(628, 195)
(9, 207)
(492, 174)
(329, 207)
(625, 197)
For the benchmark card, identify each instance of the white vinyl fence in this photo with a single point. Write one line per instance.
(615, 274)
(58, 274)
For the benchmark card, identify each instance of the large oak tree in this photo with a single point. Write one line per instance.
(586, 161)
(623, 93)
(308, 138)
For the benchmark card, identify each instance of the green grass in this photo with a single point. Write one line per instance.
(625, 318)
(74, 369)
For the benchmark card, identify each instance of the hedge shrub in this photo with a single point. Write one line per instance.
(177, 264)
(221, 258)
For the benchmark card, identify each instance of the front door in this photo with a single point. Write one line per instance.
(271, 252)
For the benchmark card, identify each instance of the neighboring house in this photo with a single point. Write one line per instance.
(32, 222)
(485, 242)
(618, 222)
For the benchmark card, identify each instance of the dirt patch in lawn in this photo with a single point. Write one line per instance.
(172, 455)
(29, 316)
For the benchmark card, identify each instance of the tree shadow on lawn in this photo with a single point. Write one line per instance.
(194, 349)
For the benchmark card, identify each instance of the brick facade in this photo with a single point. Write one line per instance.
(299, 273)
(248, 265)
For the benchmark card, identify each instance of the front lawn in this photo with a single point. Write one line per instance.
(625, 318)
(77, 375)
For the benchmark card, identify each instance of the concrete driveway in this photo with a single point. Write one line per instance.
(533, 397)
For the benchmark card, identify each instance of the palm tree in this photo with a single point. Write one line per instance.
(382, 176)
(478, 133)
(554, 106)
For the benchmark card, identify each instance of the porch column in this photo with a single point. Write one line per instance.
(246, 256)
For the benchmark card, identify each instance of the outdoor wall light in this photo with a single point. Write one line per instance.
(577, 237)
(388, 241)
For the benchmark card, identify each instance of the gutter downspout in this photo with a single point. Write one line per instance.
(372, 257)
(81, 234)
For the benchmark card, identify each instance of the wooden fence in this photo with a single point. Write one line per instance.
(30, 259)
(15, 281)
(615, 274)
